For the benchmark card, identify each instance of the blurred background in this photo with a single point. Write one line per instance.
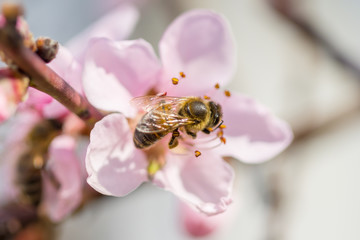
(299, 58)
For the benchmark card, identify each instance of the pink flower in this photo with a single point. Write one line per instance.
(198, 224)
(200, 44)
(63, 174)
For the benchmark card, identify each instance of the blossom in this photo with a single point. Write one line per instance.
(198, 225)
(200, 44)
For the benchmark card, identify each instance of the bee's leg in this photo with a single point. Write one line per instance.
(174, 141)
(193, 135)
(207, 131)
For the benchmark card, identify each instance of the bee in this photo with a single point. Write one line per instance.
(32, 161)
(165, 114)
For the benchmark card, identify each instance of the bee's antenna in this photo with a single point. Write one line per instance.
(219, 124)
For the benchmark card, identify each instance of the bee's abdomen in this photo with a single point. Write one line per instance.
(143, 140)
(30, 181)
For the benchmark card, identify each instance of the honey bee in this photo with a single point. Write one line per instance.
(165, 114)
(32, 161)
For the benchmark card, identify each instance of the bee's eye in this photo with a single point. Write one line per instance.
(216, 113)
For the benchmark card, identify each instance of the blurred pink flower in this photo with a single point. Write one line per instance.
(198, 224)
(63, 174)
(200, 44)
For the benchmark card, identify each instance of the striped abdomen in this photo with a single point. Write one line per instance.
(143, 140)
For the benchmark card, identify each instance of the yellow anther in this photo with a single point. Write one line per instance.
(175, 81)
(210, 129)
(220, 133)
(197, 153)
(227, 93)
(217, 86)
(153, 167)
(182, 74)
(223, 140)
(222, 126)
(206, 97)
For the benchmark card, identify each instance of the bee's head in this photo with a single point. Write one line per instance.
(216, 114)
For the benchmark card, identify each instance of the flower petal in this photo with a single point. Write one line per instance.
(198, 224)
(253, 134)
(114, 72)
(63, 166)
(199, 43)
(114, 166)
(116, 25)
(204, 182)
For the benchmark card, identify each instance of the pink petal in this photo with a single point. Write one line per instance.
(198, 224)
(199, 43)
(114, 166)
(116, 25)
(114, 72)
(204, 182)
(64, 167)
(253, 134)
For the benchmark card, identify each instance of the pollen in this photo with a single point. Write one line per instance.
(227, 93)
(223, 140)
(175, 81)
(182, 74)
(220, 134)
(197, 153)
(222, 126)
(217, 86)
(206, 97)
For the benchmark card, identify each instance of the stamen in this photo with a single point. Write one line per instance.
(153, 167)
(182, 74)
(175, 81)
(197, 153)
(227, 93)
(220, 133)
(222, 126)
(217, 86)
(210, 129)
(223, 140)
(206, 97)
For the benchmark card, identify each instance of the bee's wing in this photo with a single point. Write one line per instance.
(158, 121)
(162, 113)
(150, 102)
